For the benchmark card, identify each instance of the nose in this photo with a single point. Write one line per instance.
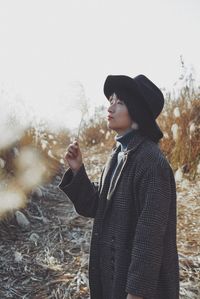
(110, 108)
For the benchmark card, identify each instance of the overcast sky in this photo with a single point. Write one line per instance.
(53, 52)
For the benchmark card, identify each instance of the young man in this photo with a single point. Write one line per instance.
(133, 252)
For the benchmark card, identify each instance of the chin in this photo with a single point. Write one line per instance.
(110, 126)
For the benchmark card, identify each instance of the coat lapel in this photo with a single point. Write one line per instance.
(135, 142)
(108, 168)
(116, 176)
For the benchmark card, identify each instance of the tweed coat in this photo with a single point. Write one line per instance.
(133, 246)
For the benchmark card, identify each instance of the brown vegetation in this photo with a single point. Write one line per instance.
(48, 257)
(179, 121)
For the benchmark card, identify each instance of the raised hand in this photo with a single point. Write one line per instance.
(73, 156)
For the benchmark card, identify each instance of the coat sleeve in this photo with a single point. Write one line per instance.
(154, 196)
(81, 191)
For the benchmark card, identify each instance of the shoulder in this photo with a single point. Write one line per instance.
(149, 155)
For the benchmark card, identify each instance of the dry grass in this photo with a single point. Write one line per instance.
(188, 236)
(179, 121)
(49, 259)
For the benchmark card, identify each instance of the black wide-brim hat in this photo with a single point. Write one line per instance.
(143, 99)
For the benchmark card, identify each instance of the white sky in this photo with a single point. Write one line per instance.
(52, 52)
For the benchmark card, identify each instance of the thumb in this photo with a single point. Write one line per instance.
(77, 145)
(75, 142)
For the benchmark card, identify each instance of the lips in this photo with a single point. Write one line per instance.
(109, 117)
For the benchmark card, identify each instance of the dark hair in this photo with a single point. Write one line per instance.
(140, 113)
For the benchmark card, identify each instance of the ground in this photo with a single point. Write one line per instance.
(49, 258)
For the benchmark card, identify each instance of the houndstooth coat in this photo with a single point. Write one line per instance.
(133, 247)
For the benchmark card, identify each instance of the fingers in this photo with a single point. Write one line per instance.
(72, 150)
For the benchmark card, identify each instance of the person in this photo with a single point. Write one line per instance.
(133, 252)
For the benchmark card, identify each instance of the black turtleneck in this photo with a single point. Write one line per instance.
(125, 138)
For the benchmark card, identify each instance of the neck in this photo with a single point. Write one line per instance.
(124, 138)
(122, 133)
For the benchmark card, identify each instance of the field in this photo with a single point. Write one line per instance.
(44, 243)
(49, 257)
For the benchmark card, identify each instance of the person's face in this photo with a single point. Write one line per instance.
(119, 119)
